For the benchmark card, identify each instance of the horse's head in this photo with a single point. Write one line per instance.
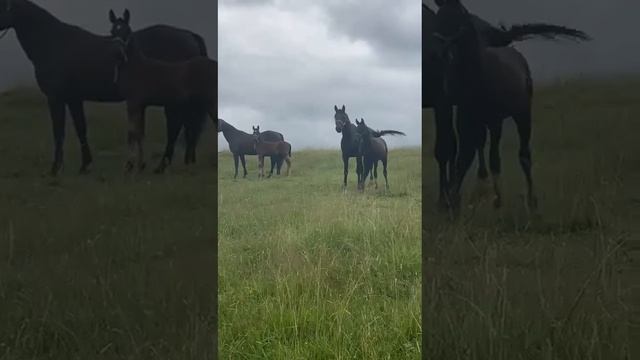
(120, 27)
(363, 132)
(256, 130)
(6, 14)
(221, 124)
(341, 118)
(454, 31)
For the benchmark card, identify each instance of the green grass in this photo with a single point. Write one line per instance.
(500, 284)
(102, 266)
(307, 272)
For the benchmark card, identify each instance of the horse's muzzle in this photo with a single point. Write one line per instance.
(338, 130)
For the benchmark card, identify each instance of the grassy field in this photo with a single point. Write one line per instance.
(102, 266)
(502, 285)
(307, 272)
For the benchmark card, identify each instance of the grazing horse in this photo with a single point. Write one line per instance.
(435, 94)
(73, 65)
(281, 149)
(374, 149)
(272, 136)
(240, 144)
(147, 82)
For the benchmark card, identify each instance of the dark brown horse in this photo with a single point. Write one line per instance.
(121, 29)
(273, 136)
(240, 144)
(281, 149)
(374, 149)
(73, 65)
(150, 82)
(442, 101)
(491, 84)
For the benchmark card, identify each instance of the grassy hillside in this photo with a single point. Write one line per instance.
(101, 266)
(307, 272)
(501, 285)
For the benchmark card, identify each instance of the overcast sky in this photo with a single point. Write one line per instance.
(284, 64)
(196, 15)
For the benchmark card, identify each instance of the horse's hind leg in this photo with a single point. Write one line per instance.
(244, 166)
(80, 124)
(523, 123)
(57, 112)
(468, 129)
(483, 174)
(494, 159)
(384, 172)
(445, 151)
(287, 159)
(375, 173)
(174, 125)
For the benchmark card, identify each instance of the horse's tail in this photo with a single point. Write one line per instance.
(380, 133)
(522, 32)
(289, 149)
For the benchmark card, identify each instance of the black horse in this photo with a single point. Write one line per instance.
(435, 92)
(374, 149)
(270, 136)
(73, 65)
(240, 144)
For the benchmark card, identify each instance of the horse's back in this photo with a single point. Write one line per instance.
(508, 77)
(270, 135)
(170, 43)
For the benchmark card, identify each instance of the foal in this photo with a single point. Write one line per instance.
(281, 149)
(146, 82)
(374, 149)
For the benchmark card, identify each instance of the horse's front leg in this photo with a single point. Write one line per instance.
(57, 112)
(135, 116)
(345, 162)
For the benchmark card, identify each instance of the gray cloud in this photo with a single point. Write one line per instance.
(284, 64)
(199, 16)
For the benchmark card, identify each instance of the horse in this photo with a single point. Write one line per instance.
(73, 65)
(374, 149)
(272, 136)
(147, 82)
(349, 145)
(281, 149)
(240, 144)
(436, 96)
(121, 29)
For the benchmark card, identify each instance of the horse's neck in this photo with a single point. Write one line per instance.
(230, 133)
(35, 28)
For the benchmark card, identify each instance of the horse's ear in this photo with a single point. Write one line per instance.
(335, 108)
(357, 123)
(343, 107)
(112, 16)
(126, 16)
